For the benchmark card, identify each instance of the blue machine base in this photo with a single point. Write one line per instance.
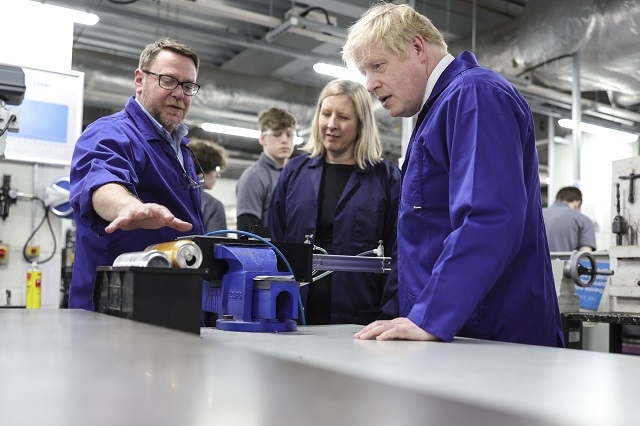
(257, 326)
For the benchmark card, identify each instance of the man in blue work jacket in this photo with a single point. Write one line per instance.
(133, 181)
(473, 258)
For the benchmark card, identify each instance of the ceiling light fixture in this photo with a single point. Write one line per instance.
(599, 130)
(339, 72)
(299, 25)
(239, 131)
(231, 130)
(71, 14)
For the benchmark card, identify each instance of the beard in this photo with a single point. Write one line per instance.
(164, 113)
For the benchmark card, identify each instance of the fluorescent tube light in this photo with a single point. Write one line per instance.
(339, 72)
(239, 131)
(599, 130)
(50, 10)
(231, 130)
(79, 17)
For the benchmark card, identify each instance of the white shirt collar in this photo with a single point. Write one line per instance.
(435, 75)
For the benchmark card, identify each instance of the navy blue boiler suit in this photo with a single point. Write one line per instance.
(367, 212)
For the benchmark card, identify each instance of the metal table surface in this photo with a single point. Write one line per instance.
(67, 367)
(556, 385)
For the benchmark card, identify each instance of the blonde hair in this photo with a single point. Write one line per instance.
(391, 26)
(368, 148)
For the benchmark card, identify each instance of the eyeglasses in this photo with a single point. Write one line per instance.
(199, 176)
(278, 133)
(169, 83)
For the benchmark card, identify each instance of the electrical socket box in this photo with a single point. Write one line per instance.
(4, 253)
(32, 252)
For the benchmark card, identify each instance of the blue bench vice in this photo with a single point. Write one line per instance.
(252, 294)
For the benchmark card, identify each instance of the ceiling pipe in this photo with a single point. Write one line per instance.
(577, 118)
(540, 42)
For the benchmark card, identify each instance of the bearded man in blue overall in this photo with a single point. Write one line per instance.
(133, 181)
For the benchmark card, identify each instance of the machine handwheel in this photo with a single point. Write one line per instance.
(574, 270)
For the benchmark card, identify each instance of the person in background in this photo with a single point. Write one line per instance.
(473, 258)
(133, 181)
(345, 196)
(256, 184)
(567, 228)
(213, 160)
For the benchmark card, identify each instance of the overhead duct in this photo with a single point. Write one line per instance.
(109, 82)
(539, 45)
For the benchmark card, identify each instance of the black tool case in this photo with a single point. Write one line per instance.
(168, 297)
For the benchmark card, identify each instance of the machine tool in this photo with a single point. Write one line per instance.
(619, 226)
(624, 288)
(12, 88)
(580, 270)
(239, 284)
(619, 305)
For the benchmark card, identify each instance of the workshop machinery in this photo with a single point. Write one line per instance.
(12, 88)
(624, 252)
(618, 309)
(580, 270)
(622, 292)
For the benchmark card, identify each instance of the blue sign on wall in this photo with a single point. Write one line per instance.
(590, 296)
